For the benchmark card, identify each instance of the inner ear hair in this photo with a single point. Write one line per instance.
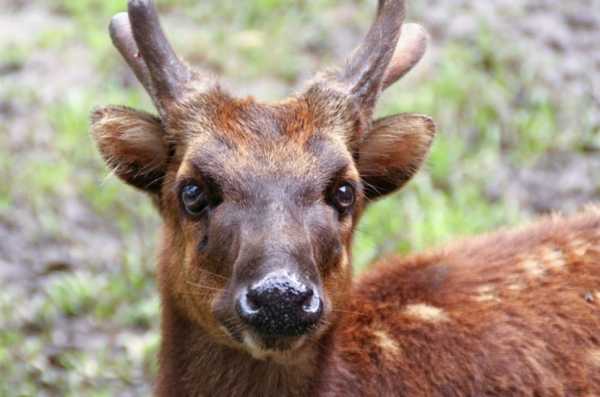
(133, 145)
(393, 151)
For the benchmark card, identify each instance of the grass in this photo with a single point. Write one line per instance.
(487, 103)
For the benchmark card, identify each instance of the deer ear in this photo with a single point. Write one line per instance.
(393, 151)
(132, 144)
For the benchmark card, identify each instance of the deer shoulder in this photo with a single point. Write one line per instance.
(514, 312)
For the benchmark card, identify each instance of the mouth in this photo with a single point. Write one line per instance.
(264, 346)
(276, 348)
(279, 349)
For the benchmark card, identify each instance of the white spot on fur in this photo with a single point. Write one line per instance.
(554, 258)
(594, 357)
(423, 311)
(579, 246)
(545, 258)
(516, 287)
(487, 293)
(533, 267)
(387, 344)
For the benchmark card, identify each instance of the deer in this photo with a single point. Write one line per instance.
(259, 203)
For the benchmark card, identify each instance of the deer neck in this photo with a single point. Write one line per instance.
(192, 364)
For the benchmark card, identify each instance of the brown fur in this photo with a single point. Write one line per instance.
(123, 133)
(482, 323)
(504, 314)
(513, 313)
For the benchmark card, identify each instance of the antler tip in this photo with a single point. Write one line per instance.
(139, 5)
(117, 22)
(414, 38)
(415, 30)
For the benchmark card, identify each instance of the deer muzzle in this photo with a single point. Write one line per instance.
(280, 305)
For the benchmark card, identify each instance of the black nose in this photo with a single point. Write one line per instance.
(280, 305)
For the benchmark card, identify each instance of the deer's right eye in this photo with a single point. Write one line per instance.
(194, 199)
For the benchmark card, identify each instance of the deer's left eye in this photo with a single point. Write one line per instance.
(344, 197)
(194, 199)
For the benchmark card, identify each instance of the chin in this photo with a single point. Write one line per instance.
(284, 350)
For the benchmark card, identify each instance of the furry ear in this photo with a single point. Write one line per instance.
(132, 144)
(393, 151)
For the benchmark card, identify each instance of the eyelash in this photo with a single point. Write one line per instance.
(208, 188)
(344, 205)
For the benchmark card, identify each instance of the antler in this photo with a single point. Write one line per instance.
(365, 69)
(388, 51)
(140, 39)
(410, 49)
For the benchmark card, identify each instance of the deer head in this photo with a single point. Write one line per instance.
(259, 201)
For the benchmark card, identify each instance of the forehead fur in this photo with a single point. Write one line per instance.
(320, 110)
(297, 136)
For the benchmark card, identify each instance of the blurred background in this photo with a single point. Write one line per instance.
(513, 86)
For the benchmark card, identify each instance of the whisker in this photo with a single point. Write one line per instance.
(204, 287)
(200, 293)
(348, 311)
(214, 274)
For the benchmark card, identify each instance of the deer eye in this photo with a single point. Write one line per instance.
(194, 199)
(344, 197)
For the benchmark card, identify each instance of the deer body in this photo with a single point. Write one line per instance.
(259, 204)
(514, 313)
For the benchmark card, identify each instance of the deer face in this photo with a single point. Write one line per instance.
(260, 201)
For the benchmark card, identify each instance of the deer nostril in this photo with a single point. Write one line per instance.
(312, 304)
(247, 305)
